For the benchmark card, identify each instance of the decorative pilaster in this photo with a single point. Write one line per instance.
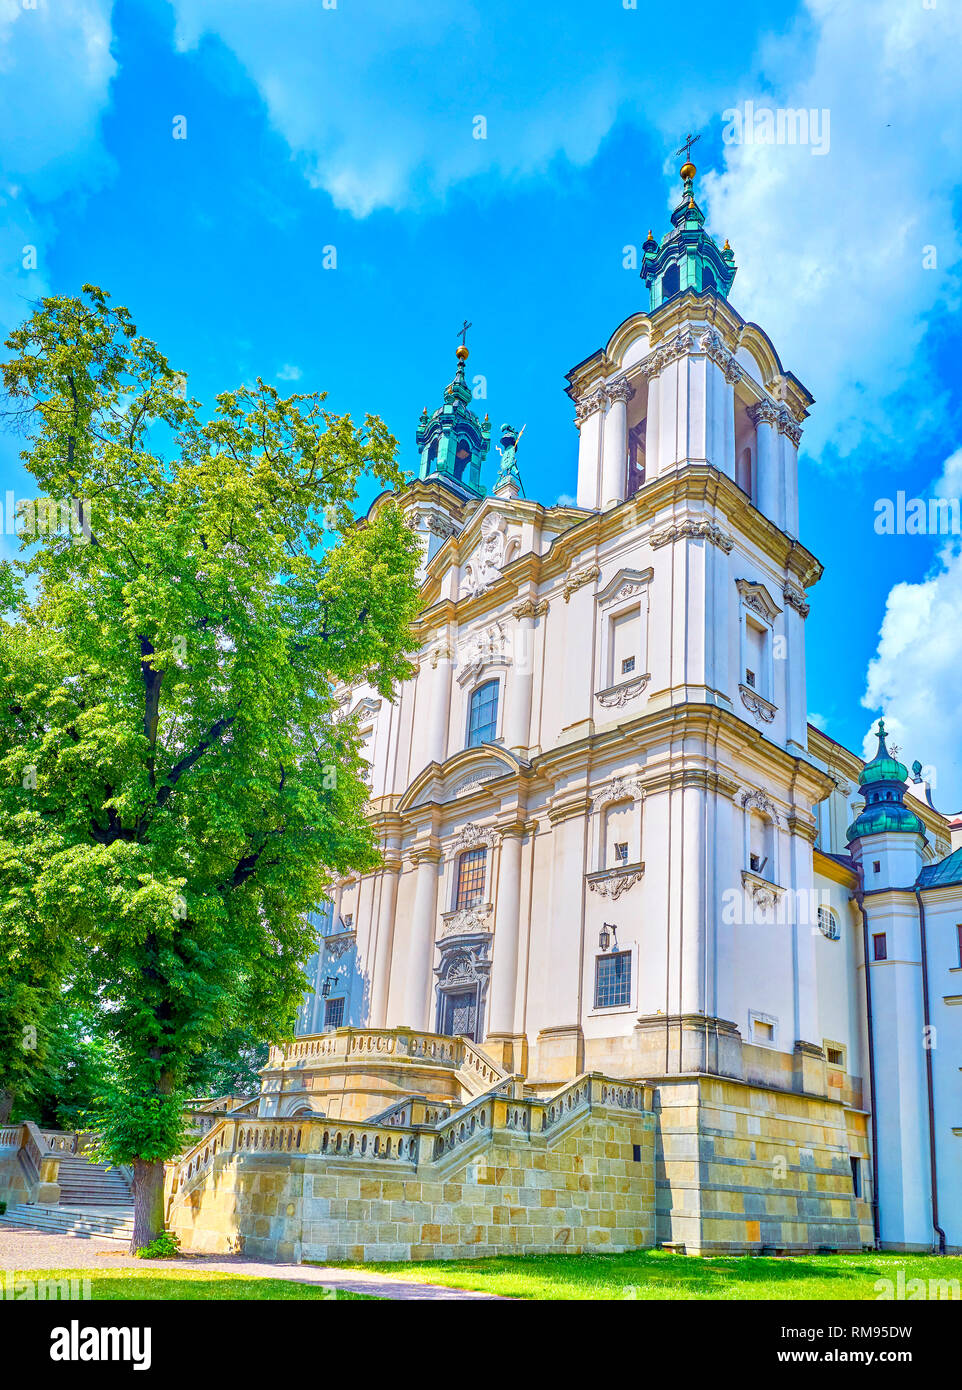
(504, 970)
(764, 416)
(421, 940)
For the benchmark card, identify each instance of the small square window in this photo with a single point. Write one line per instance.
(750, 678)
(763, 1032)
(755, 862)
(627, 665)
(876, 866)
(613, 980)
(835, 1056)
(879, 946)
(621, 852)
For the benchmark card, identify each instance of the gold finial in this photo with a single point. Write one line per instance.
(726, 247)
(461, 353)
(688, 171)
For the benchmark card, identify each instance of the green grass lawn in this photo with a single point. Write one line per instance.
(657, 1274)
(175, 1284)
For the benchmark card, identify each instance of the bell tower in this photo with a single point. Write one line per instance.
(453, 442)
(687, 258)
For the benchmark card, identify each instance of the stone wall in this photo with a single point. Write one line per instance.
(740, 1167)
(588, 1186)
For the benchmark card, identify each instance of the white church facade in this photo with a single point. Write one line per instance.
(612, 843)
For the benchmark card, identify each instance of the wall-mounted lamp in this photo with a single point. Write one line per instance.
(327, 986)
(608, 936)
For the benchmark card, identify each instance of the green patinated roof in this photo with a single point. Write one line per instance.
(945, 872)
(883, 784)
(687, 258)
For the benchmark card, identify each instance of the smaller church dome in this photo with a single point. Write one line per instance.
(882, 783)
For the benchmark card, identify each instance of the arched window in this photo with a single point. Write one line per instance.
(483, 714)
(470, 885)
(462, 457)
(670, 282)
(708, 279)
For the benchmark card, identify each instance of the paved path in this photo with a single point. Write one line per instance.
(21, 1248)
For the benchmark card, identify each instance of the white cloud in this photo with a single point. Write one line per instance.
(288, 372)
(55, 73)
(830, 247)
(915, 676)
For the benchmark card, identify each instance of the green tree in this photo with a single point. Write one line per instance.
(176, 786)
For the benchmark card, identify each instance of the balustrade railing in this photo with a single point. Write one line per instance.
(407, 1132)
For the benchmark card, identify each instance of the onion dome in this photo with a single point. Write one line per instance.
(882, 784)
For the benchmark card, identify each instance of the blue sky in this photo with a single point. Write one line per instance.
(352, 125)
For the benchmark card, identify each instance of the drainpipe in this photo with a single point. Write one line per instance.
(860, 899)
(930, 1093)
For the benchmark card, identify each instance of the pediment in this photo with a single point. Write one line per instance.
(460, 776)
(757, 597)
(624, 584)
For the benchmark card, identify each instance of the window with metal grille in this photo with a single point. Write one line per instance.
(835, 1056)
(471, 866)
(613, 980)
(628, 665)
(334, 1013)
(828, 923)
(483, 714)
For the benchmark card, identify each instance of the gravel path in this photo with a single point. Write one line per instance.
(21, 1248)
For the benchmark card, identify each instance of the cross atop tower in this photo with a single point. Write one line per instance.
(686, 147)
(463, 331)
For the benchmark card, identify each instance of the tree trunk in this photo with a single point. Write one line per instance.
(148, 1202)
(6, 1105)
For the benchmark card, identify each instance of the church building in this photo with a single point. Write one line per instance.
(614, 848)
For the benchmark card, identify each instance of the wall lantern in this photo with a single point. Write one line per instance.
(608, 936)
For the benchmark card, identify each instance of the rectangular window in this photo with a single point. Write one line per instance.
(836, 1057)
(334, 1013)
(756, 656)
(763, 1032)
(876, 866)
(959, 930)
(470, 888)
(879, 946)
(483, 714)
(625, 643)
(621, 852)
(856, 1174)
(613, 980)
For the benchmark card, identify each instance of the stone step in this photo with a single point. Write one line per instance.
(115, 1224)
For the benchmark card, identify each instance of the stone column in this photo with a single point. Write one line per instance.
(517, 732)
(654, 426)
(507, 924)
(789, 435)
(588, 417)
(442, 662)
(419, 976)
(614, 462)
(384, 939)
(763, 417)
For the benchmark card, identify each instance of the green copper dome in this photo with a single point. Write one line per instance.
(687, 258)
(883, 785)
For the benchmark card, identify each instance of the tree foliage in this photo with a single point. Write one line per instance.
(176, 787)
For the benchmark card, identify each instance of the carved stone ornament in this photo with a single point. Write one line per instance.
(472, 836)
(617, 789)
(587, 405)
(763, 413)
(529, 608)
(751, 799)
(763, 894)
(712, 346)
(493, 551)
(611, 883)
(620, 390)
(693, 530)
(467, 921)
(579, 578)
(757, 597)
(679, 346)
(795, 596)
(340, 943)
(617, 696)
(757, 704)
(788, 425)
(486, 647)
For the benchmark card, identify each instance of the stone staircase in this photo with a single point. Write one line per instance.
(113, 1222)
(84, 1184)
